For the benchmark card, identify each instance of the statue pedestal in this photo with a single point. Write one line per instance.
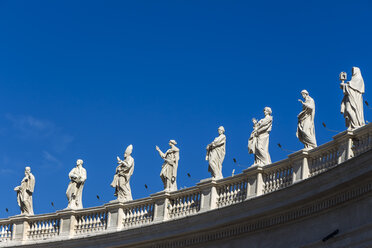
(208, 198)
(255, 181)
(161, 205)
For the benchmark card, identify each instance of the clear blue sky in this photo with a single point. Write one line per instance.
(84, 79)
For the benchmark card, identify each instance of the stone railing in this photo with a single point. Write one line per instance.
(231, 190)
(323, 158)
(91, 220)
(277, 175)
(138, 213)
(43, 227)
(205, 196)
(6, 230)
(184, 202)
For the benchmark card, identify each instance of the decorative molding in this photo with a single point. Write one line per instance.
(264, 223)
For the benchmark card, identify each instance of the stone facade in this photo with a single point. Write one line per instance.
(315, 198)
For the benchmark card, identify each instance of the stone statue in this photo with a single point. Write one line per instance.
(74, 191)
(258, 142)
(216, 154)
(352, 103)
(168, 172)
(25, 191)
(305, 127)
(122, 176)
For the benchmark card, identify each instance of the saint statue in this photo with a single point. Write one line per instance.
(168, 172)
(352, 103)
(216, 154)
(25, 191)
(305, 127)
(124, 171)
(74, 191)
(258, 142)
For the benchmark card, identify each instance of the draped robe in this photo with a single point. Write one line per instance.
(24, 194)
(168, 172)
(74, 191)
(305, 126)
(352, 103)
(258, 142)
(124, 171)
(216, 155)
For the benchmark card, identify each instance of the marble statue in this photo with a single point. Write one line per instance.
(258, 142)
(305, 127)
(25, 191)
(216, 154)
(124, 171)
(168, 172)
(74, 191)
(352, 103)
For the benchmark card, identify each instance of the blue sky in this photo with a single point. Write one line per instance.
(84, 79)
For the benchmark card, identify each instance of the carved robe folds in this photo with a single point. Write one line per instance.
(124, 171)
(216, 155)
(258, 142)
(169, 168)
(74, 191)
(352, 103)
(305, 126)
(24, 194)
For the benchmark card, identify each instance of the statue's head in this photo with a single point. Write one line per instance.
(128, 151)
(27, 170)
(304, 93)
(221, 130)
(267, 111)
(79, 162)
(355, 71)
(172, 143)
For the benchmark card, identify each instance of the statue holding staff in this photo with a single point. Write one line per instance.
(25, 191)
(352, 103)
(305, 127)
(258, 142)
(124, 171)
(168, 172)
(216, 154)
(74, 191)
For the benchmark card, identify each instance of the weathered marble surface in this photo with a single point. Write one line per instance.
(352, 103)
(305, 127)
(124, 171)
(216, 154)
(258, 142)
(25, 191)
(168, 172)
(74, 191)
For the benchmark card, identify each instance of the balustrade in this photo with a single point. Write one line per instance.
(323, 158)
(6, 231)
(231, 192)
(278, 175)
(207, 195)
(362, 141)
(43, 228)
(91, 222)
(184, 204)
(138, 214)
